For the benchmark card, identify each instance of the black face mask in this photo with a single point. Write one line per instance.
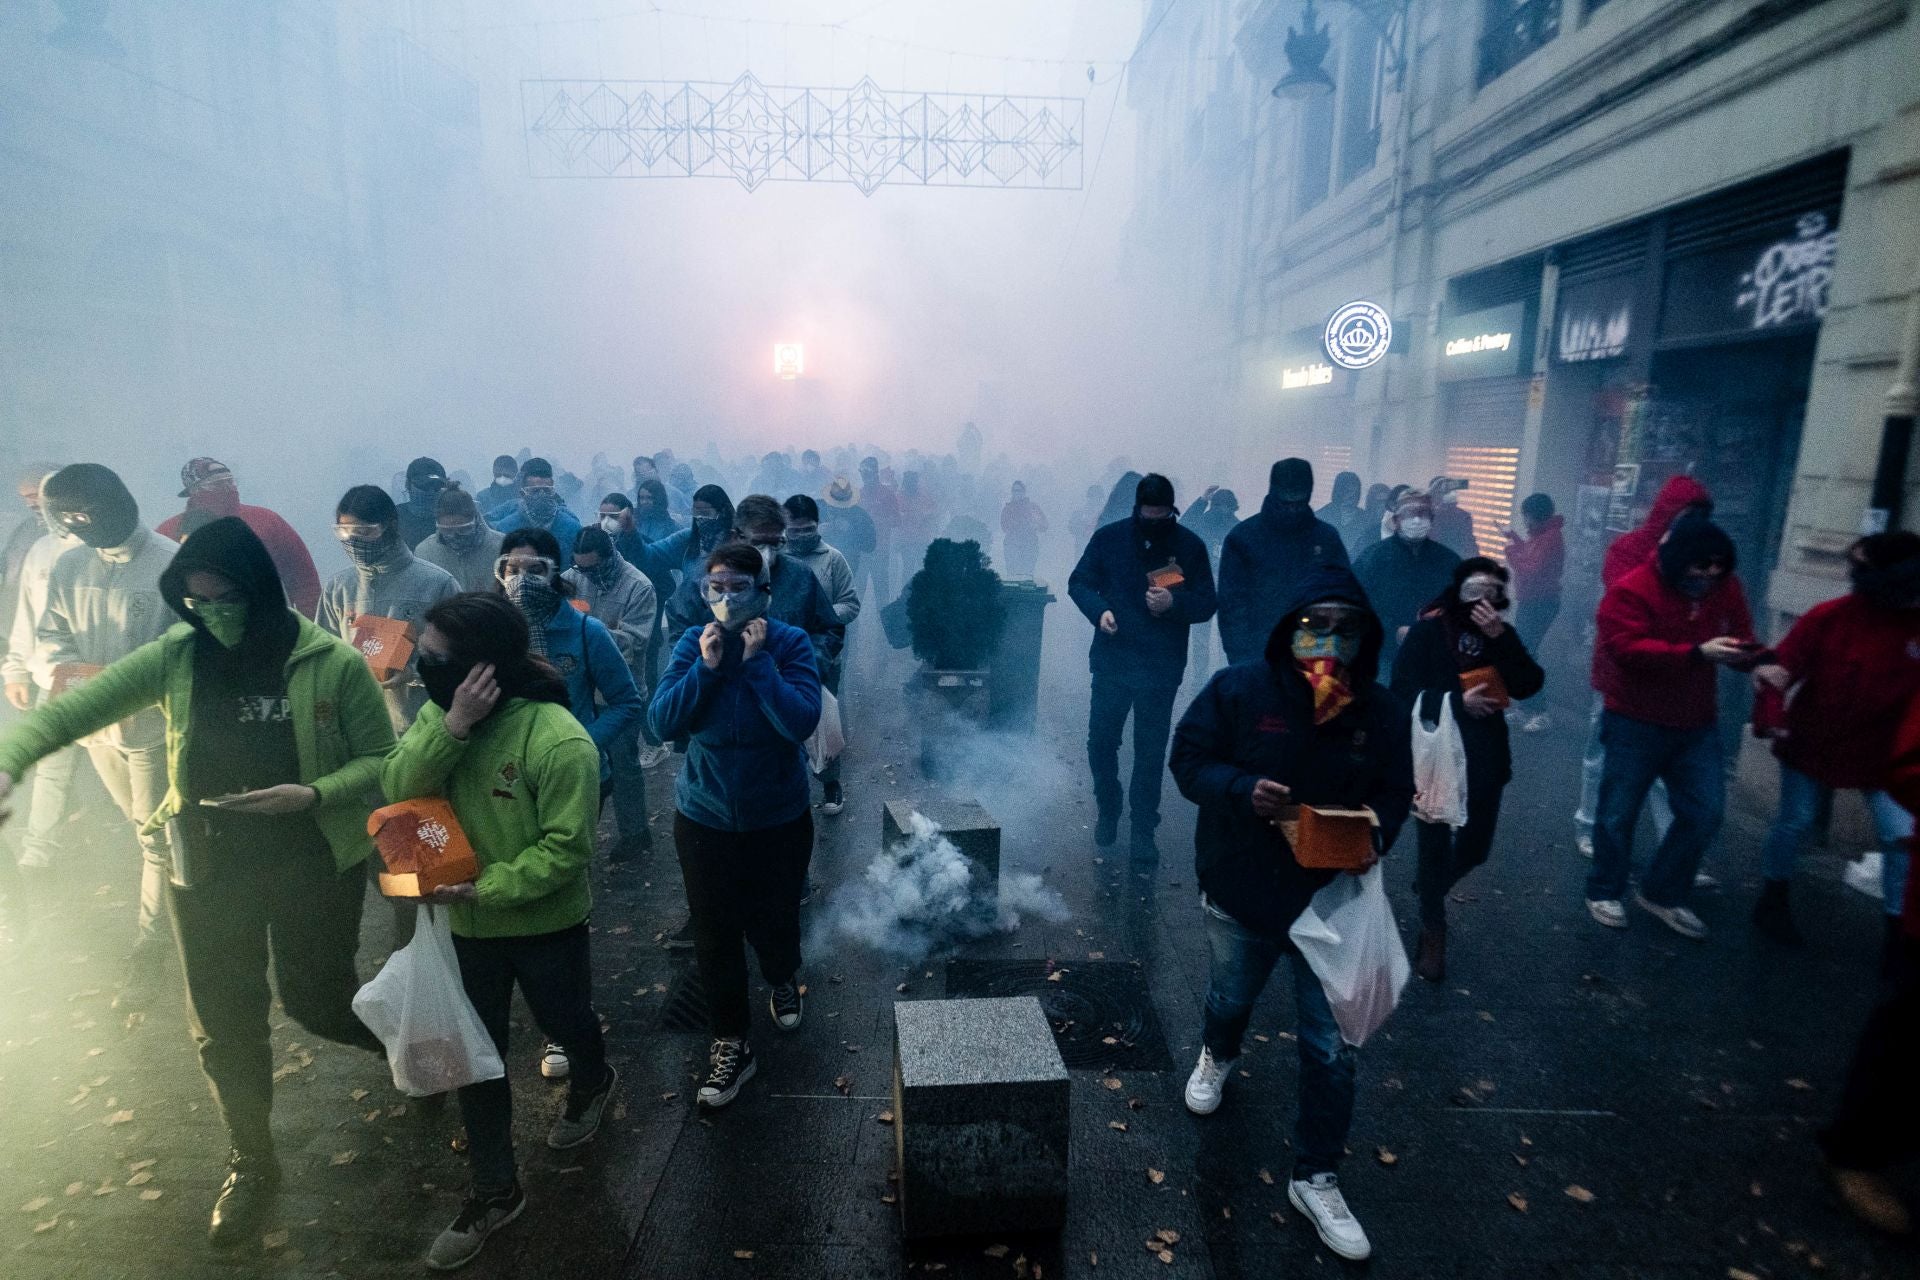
(1153, 530)
(1293, 515)
(441, 677)
(1897, 586)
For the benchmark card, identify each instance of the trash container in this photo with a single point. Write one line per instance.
(1014, 690)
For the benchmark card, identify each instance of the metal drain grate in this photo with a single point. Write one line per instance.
(686, 1005)
(1094, 1000)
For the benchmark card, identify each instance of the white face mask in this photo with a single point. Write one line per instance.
(1415, 528)
(610, 523)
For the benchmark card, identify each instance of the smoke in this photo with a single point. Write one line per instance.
(924, 896)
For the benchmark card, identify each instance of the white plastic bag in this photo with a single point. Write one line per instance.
(419, 1009)
(1439, 769)
(828, 739)
(1350, 942)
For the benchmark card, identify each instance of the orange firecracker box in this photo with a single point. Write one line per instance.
(1489, 679)
(1330, 839)
(69, 675)
(1168, 576)
(422, 846)
(386, 643)
(580, 604)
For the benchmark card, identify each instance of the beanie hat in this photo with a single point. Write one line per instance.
(1154, 490)
(1291, 480)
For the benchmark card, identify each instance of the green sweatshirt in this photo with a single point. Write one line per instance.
(526, 787)
(340, 725)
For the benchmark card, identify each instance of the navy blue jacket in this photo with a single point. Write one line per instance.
(1147, 652)
(1262, 565)
(1254, 720)
(798, 599)
(747, 726)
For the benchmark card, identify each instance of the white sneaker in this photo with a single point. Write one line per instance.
(1678, 919)
(1863, 874)
(652, 756)
(1206, 1085)
(1319, 1198)
(1584, 844)
(1608, 912)
(553, 1062)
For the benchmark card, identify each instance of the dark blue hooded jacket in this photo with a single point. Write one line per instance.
(1145, 652)
(1255, 720)
(1262, 564)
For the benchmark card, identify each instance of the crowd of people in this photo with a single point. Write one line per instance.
(529, 657)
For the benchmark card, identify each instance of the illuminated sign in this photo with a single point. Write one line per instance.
(789, 360)
(1493, 343)
(1596, 319)
(1358, 335)
(1311, 374)
(1479, 342)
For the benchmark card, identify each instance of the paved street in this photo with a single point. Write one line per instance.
(1572, 1103)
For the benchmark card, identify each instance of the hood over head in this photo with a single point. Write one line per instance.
(111, 513)
(1346, 489)
(229, 548)
(1324, 583)
(1676, 496)
(1694, 540)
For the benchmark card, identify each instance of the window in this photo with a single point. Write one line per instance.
(1316, 152)
(1363, 85)
(1513, 30)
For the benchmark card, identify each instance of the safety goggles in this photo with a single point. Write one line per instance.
(716, 587)
(514, 565)
(1334, 620)
(73, 521)
(458, 530)
(358, 532)
(769, 542)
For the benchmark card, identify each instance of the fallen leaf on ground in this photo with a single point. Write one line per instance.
(274, 1240)
(118, 1117)
(138, 1165)
(743, 1254)
(358, 1095)
(844, 1084)
(1580, 1193)
(1386, 1157)
(105, 1189)
(668, 1096)
(1056, 975)
(151, 1193)
(36, 1204)
(996, 1251)
(1754, 1190)
(48, 1225)
(1735, 1273)
(885, 1117)
(1165, 1255)
(75, 1188)
(1135, 1104)
(1799, 1084)
(1093, 1259)
(1266, 1177)
(1517, 1200)
(141, 1178)
(1118, 1126)
(1156, 1177)
(345, 1157)
(1112, 1082)
(1169, 1237)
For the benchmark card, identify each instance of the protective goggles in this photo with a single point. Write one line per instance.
(1334, 620)
(716, 587)
(510, 566)
(73, 521)
(361, 532)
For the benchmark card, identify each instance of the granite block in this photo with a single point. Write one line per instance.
(970, 827)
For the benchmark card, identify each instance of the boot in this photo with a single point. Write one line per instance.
(1773, 914)
(146, 970)
(1106, 828)
(1430, 960)
(244, 1197)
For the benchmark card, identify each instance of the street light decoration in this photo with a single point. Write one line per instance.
(1307, 47)
(789, 360)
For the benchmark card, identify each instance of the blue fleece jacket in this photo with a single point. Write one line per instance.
(600, 687)
(747, 722)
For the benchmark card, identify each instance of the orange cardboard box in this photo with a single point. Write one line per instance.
(422, 846)
(580, 604)
(1489, 678)
(386, 643)
(1168, 576)
(69, 674)
(1331, 839)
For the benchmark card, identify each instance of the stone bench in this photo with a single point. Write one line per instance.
(970, 827)
(980, 1118)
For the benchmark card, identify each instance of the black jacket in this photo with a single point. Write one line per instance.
(1147, 652)
(1401, 577)
(1255, 720)
(1427, 668)
(1262, 565)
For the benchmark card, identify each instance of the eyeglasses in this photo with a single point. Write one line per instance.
(194, 604)
(1334, 621)
(365, 532)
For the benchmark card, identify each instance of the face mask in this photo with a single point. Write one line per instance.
(1895, 587)
(1342, 649)
(1415, 528)
(542, 505)
(736, 611)
(803, 544)
(534, 596)
(611, 524)
(1695, 587)
(710, 527)
(441, 677)
(1153, 530)
(225, 620)
(461, 537)
(218, 502)
(1323, 660)
(426, 494)
(603, 572)
(367, 552)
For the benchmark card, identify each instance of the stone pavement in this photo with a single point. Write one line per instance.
(1571, 1103)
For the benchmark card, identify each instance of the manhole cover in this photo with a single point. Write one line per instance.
(1094, 1002)
(686, 1006)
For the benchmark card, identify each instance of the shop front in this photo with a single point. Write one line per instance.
(1485, 369)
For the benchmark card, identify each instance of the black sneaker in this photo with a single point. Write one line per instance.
(479, 1218)
(680, 939)
(581, 1120)
(244, 1197)
(1106, 829)
(787, 1005)
(730, 1065)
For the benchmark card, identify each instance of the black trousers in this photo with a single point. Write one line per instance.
(1878, 1123)
(555, 974)
(743, 885)
(1152, 712)
(292, 907)
(1446, 855)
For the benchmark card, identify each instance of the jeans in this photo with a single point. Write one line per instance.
(1638, 754)
(1532, 619)
(1241, 962)
(136, 778)
(743, 885)
(1592, 764)
(290, 906)
(629, 789)
(52, 785)
(555, 973)
(1152, 711)
(1446, 855)
(1800, 800)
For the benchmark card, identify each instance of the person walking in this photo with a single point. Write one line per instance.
(1344, 513)
(1831, 698)
(1664, 630)
(1266, 557)
(274, 737)
(426, 480)
(1308, 724)
(1021, 524)
(848, 527)
(619, 597)
(1537, 555)
(1464, 651)
(1406, 570)
(744, 690)
(633, 525)
(211, 492)
(498, 742)
(541, 507)
(462, 543)
(500, 496)
(835, 576)
(1142, 582)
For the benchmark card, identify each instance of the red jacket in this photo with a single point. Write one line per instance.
(1903, 783)
(1855, 669)
(1538, 560)
(1632, 549)
(1644, 662)
(290, 557)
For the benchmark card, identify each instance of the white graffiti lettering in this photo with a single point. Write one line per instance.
(1790, 279)
(1589, 337)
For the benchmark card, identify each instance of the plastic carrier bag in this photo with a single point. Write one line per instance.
(1439, 768)
(1349, 939)
(419, 1009)
(829, 739)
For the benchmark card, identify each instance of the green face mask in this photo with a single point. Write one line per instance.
(226, 621)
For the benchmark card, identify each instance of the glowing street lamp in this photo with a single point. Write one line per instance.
(789, 360)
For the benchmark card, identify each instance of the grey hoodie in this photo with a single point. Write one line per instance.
(402, 587)
(102, 604)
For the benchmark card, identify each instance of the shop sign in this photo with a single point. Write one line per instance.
(1300, 377)
(1777, 284)
(1358, 334)
(1486, 344)
(1304, 370)
(1596, 320)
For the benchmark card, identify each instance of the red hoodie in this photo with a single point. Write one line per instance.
(290, 556)
(1855, 669)
(1538, 560)
(1645, 664)
(1632, 549)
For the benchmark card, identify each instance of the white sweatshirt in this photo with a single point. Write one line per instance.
(102, 604)
(36, 572)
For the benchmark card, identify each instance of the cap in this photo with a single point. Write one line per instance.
(425, 469)
(199, 472)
